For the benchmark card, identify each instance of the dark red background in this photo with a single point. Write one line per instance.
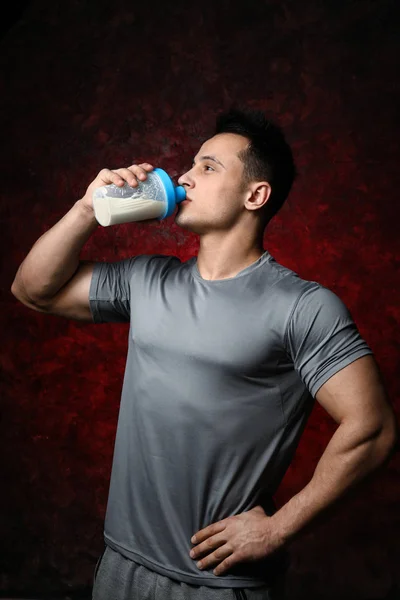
(100, 84)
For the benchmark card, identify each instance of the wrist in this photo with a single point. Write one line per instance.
(86, 212)
(287, 522)
(275, 539)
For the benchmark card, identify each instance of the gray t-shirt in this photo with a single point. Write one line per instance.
(219, 382)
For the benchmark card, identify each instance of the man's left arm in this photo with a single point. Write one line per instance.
(355, 398)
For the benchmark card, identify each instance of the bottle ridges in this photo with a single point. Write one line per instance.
(125, 204)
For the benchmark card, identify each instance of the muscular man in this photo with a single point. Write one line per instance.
(227, 353)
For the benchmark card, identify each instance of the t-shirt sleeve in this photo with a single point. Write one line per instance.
(110, 291)
(321, 337)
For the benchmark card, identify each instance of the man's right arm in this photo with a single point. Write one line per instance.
(52, 279)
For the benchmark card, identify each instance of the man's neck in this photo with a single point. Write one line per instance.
(223, 259)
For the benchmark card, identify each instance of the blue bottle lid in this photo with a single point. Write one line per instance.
(174, 194)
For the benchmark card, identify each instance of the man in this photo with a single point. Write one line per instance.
(227, 353)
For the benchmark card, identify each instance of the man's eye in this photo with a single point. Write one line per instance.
(205, 167)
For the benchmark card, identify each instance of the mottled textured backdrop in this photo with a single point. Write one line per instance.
(88, 85)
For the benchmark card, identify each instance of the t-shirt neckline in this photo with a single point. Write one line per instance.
(249, 269)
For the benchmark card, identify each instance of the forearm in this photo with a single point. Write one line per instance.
(54, 257)
(347, 460)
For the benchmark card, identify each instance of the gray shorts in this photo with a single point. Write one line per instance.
(119, 578)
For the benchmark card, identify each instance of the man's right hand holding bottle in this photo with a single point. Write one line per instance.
(132, 175)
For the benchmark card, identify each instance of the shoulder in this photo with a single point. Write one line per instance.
(133, 268)
(289, 282)
(287, 286)
(298, 298)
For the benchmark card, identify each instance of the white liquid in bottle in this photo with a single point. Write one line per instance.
(113, 211)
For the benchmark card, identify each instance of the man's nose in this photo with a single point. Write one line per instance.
(185, 179)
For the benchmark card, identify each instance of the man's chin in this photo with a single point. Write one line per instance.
(183, 222)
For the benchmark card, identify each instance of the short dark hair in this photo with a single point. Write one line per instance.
(268, 156)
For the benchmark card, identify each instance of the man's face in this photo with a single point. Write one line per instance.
(214, 185)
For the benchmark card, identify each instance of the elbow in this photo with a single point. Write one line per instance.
(18, 291)
(24, 295)
(388, 440)
(15, 289)
(380, 442)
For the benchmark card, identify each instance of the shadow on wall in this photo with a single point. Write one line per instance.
(12, 15)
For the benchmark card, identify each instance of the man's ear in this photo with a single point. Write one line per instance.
(258, 195)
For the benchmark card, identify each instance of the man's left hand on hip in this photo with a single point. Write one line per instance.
(247, 537)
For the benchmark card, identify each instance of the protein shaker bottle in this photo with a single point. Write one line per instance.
(155, 198)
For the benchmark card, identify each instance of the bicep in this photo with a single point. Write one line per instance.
(357, 394)
(72, 301)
